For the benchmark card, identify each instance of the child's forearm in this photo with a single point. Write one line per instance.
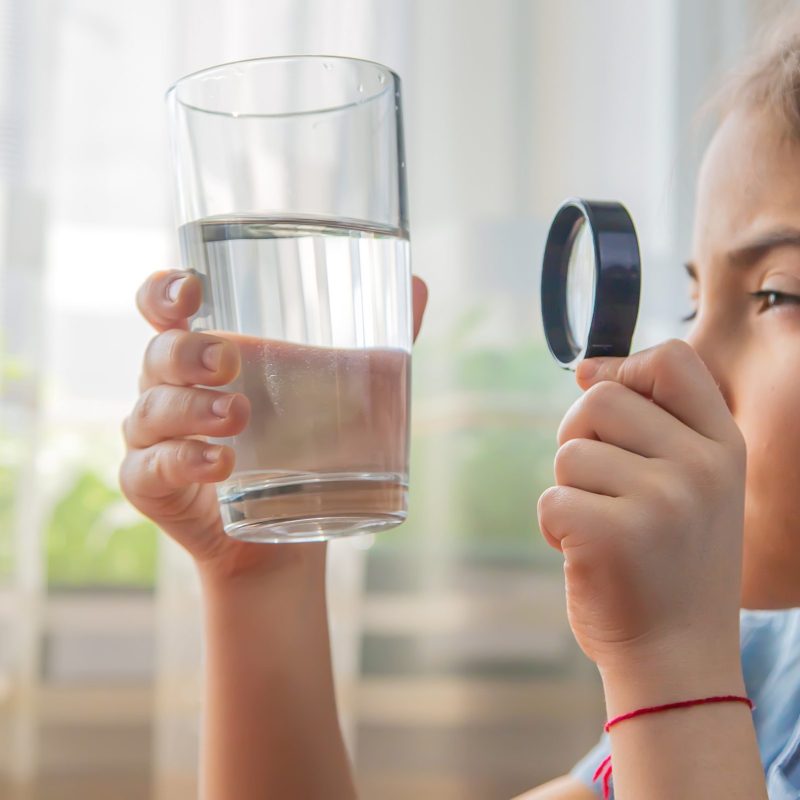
(270, 726)
(699, 753)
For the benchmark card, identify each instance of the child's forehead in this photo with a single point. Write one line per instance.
(747, 180)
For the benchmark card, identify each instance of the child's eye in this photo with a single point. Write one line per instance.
(770, 298)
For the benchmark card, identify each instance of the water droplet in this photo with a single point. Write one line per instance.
(402, 164)
(381, 78)
(361, 87)
(327, 65)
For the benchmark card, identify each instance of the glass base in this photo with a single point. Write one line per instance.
(320, 529)
(310, 507)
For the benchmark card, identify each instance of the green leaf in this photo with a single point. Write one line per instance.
(85, 545)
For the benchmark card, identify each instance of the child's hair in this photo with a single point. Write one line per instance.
(769, 79)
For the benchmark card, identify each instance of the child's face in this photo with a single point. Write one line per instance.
(747, 240)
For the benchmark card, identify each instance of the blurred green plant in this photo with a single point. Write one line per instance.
(497, 472)
(498, 443)
(502, 472)
(527, 367)
(94, 538)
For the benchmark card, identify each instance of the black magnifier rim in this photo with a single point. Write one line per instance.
(617, 280)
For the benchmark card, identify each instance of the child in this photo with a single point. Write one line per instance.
(666, 527)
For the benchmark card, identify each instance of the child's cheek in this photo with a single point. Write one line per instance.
(770, 423)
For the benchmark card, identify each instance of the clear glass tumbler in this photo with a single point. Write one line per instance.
(291, 202)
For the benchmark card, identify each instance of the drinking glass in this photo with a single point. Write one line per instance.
(291, 207)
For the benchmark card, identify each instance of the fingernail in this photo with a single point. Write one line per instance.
(212, 355)
(587, 368)
(222, 405)
(174, 289)
(212, 454)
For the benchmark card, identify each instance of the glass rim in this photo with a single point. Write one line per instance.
(267, 115)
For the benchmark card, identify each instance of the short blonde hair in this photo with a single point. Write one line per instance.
(769, 78)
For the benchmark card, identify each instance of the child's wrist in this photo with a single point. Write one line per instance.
(672, 677)
(296, 568)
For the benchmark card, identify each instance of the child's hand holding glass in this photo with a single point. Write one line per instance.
(169, 471)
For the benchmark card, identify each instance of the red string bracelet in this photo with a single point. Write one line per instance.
(604, 770)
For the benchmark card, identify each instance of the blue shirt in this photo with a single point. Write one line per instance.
(770, 644)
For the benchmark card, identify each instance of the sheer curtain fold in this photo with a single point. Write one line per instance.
(28, 32)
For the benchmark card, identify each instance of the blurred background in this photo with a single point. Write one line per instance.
(456, 670)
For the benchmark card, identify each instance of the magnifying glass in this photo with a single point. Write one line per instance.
(591, 279)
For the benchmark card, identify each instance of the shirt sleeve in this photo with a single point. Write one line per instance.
(584, 770)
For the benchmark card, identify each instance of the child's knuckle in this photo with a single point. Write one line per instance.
(673, 354)
(146, 407)
(568, 456)
(177, 342)
(153, 464)
(667, 494)
(151, 350)
(185, 404)
(184, 454)
(600, 397)
(547, 502)
(125, 479)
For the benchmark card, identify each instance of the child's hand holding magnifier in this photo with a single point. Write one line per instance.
(648, 507)
(648, 512)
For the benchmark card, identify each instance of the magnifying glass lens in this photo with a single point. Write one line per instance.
(591, 275)
(581, 277)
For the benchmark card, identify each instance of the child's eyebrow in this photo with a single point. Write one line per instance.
(753, 250)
